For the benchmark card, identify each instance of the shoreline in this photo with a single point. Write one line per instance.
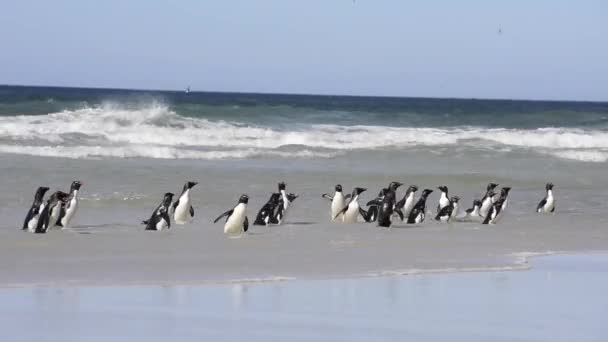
(522, 261)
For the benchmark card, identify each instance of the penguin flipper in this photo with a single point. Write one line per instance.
(488, 217)
(328, 197)
(541, 204)
(191, 211)
(175, 204)
(376, 201)
(553, 210)
(341, 212)
(400, 213)
(228, 213)
(246, 224)
(145, 221)
(43, 220)
(364, 214)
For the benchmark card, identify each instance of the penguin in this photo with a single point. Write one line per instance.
(160, 218)
(444, 200)
(50, 214)
(31, 219)
(472, 214)
(386, 207)
(338, 201)
(487, 199)
(182, 208)
(279, 215)
(69, 208)
(547, 204)
(236, 221)
(406, 204)
(498, 208)
(351, 211)
(371, 214)
(447, 213)
(266, 214)
(418, 213)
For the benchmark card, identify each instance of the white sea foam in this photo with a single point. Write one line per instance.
(154, 131)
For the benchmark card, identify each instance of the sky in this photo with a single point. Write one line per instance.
(519, 49)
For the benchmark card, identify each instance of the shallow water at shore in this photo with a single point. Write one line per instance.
(562, 298)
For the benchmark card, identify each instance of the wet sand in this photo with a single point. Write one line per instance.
(191, 255)
(562, 298)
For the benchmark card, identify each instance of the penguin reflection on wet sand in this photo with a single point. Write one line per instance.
(33, 215)
(236, 221)
(50, 213)
(547, 204)
(160, 217)
(338, 201)
(352, 210)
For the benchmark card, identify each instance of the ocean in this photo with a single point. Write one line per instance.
(129, 147)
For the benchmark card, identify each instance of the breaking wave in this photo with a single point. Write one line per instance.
(154, 131)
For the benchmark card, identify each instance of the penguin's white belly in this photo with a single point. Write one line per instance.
(31, 225)
(69, 213)
(407, 207)
(443, 202)
(182, 212)
(235, 222)
(54, 216)
(337, 204)
(549, 205)
(161, 224)
(351, 214)
(454, 211)
(485, 206)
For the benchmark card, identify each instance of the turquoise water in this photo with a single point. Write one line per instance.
(561, 299)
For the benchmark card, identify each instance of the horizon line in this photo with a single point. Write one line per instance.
(304, 94)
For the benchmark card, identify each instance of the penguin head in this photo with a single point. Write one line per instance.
(190, 185)
(549, 186)
(281, 186)
(338, 188)
(291, 196)
(358, 191)
(505, 190)
(244, 199)
(454, 199)
(412, 188)
(443, 188)
(75, 185)
(491, 186)
(477, 203)
(168, 198)
(41, 191)
(426, 192)
(60, 196)
(394, 185)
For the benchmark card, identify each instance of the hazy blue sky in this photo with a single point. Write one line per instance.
(549, 49)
